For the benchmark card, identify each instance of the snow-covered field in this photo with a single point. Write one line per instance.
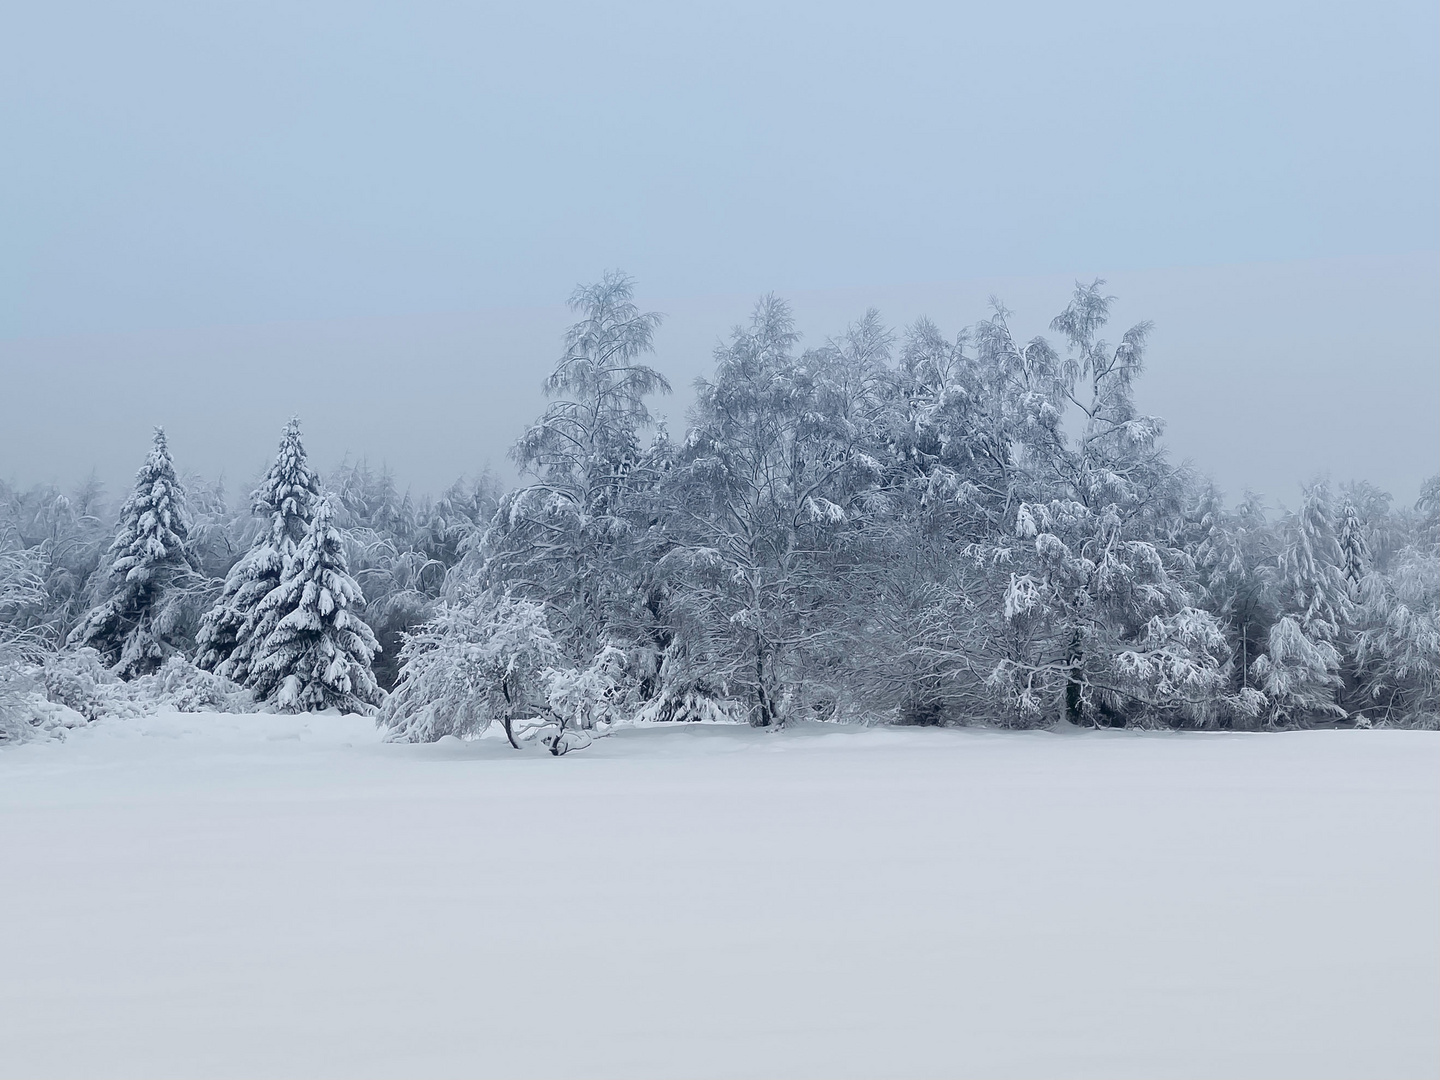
(281, 896)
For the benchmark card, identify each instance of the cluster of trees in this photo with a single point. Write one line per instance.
(920, 528)
(267, 594)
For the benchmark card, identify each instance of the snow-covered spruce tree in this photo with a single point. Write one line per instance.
(1298, 674)
(479, 658)
(318, 655)
(1309, 576)
(1234, 554)
(1397, 644)
(145, 594)
(1301, 671)
(1354, 549)
(233, 630)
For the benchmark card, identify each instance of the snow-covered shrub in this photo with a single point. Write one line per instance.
(478, 659)
(16, 686)
(581, 703)
(25, 713)
(79, 680)
(692, 704)
(180, 686)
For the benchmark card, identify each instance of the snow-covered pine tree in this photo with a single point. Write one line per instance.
(139, 621)
(1234, 554)
(1310, 579)
(1302, 672)
(1354, 549)
(233, 630)
(319, 653)
(1298, 674)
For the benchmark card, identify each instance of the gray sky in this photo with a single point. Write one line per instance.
(214, 215)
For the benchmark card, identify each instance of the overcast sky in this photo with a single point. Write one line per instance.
(214, 215)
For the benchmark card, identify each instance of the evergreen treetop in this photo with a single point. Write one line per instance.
(235, 628)
(138, 624)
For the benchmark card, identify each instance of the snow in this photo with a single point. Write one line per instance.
(215, 895)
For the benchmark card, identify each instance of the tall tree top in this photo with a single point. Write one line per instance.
(153, 523)
(289, 491)
(599, 386)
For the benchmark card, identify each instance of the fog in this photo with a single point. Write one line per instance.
(216, 217)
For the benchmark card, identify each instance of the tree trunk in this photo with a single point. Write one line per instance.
(1073, 683)
(505, 720)
(766, 715)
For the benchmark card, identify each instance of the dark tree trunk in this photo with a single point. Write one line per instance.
(1073, 683)
(766, 714)
(505, 720)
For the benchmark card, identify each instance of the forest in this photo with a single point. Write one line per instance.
(915, 528)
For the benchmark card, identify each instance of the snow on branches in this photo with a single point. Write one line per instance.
(318, 656)
(145, 597)
(913, 527)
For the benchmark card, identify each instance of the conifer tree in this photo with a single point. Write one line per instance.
(1310, 580)
(139, 621)
(319, 653)
(1354, 550)
(235, 628)
(1301, 671)
(1299, 674)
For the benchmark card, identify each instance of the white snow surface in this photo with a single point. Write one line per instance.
(228, 896)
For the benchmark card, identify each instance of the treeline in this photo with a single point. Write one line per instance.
(917, 528)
